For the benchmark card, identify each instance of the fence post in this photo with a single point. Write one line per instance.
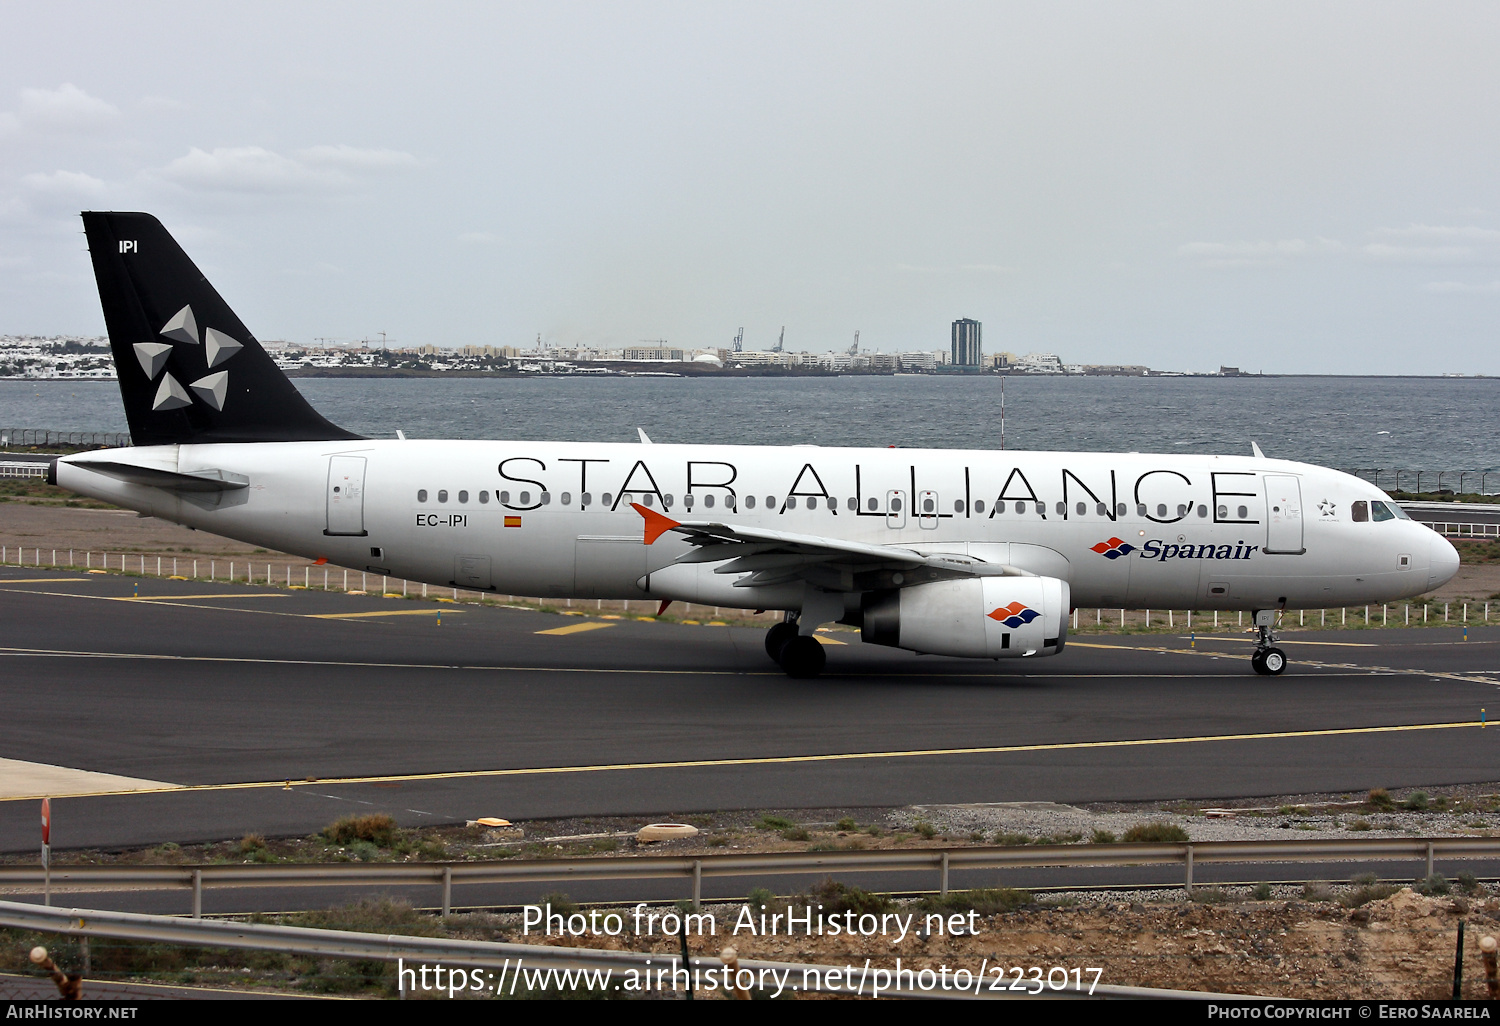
(197, 894)
(697, 885)
(1429, 858)
(1188, 885)
(447, 891)
(943, 882)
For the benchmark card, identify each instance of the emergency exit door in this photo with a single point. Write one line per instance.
(346, 496)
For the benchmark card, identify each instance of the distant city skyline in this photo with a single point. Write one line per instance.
(1279, 186)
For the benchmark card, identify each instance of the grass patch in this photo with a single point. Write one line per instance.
(1103, 837)
(1261, 892)
(1157, 832)
(774, 823)
(375, 828)
(987, 901)
(1381, 799)
(1210, 896)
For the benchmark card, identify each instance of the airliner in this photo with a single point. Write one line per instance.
(979, 554)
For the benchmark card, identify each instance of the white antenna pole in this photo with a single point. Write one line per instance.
(1002, 413)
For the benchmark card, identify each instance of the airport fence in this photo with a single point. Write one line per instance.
(301, 575)
(693, 870)
(18, 438)
(1396, 479)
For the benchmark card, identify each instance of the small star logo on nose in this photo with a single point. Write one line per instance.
(1327, 508)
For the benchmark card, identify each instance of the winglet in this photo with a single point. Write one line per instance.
(656, 524)
(1256, 450)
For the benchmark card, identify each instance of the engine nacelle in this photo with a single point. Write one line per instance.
(983, 617)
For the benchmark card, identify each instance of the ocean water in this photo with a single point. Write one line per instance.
(1427, 423)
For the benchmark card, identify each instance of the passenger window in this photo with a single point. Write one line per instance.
(708, 500)
(1182, 509)
(853, 504)
(1359, 512)
(422, 495)
(1041, 508)
(770, 502)
(749, 502)
(833, 503)
(1120, 510)
(567, 499)
(525, 498)
(463, 496)
(979, 506)
(1140, 509)
(585, 499)
(895, 505)
(442, 495)
(928, 506)
(1222, 512)
(1061, 509)
(666, 502)
(1100, 511)
(687, 501)
(1244, 513)
(1083, 508)
(504, 497)
(958, 505)
(729, 502)
(999, 506)
(1202, 510)
(606, 498)
(1379, 512)
(873, 505)
(1161, 509)
(646, 500)
(546, 498)
(791, 502)
(484, 496)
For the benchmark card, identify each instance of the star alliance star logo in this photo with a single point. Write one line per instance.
(211, 389)
(1327, 508)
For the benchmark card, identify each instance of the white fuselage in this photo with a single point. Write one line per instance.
(554, 518)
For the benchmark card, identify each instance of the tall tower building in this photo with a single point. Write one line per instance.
(967, 351)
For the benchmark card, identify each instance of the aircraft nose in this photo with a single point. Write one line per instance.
(1443, 563)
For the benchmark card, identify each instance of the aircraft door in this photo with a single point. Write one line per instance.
(346, 496)
(927, 510)
(895, 509)
(1284, 515)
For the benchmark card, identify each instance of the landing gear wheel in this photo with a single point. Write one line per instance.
(803, 657)
(777, 637)
(1274, 660)
(1268, 662)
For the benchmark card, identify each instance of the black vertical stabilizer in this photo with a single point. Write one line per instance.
(189, 370)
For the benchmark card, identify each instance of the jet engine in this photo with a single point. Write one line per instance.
(976, 617)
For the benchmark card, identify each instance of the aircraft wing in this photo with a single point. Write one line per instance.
(775, 557)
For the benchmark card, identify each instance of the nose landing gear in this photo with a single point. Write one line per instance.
(1268, 660)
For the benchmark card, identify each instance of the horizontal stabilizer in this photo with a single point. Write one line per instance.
(171, 480)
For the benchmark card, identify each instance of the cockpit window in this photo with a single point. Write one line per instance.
(1380, 511)
(1400, 513)
(1359, 512)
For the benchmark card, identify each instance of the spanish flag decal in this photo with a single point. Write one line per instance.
(512, 521)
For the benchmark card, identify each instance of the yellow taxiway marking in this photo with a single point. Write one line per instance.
(784, 760)
(829, 641)
(383, 612)
(192, 598)
(40, 580)
(575, 628)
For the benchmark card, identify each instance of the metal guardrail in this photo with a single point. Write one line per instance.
(511, 958)
(941, 862)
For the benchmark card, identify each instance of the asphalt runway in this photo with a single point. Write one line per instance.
(250, 709)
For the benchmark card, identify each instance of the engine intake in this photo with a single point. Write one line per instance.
(983, 618)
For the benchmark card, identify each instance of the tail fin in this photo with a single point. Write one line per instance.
(189, 370)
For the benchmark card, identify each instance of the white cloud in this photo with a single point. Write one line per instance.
(1441, 232)
(66, 107)
(354, 158)
(65, 183)
(1462, 288)
(479, 238)
(1257, 254)
(1387, 253)
(254, 169)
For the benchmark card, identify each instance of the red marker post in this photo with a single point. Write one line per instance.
(46, 851)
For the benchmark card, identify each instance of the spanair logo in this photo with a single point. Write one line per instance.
(1114, 548)
(1014, 615)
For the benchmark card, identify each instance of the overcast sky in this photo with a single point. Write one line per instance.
(1287, 187)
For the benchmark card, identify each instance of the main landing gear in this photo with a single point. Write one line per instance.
(1268, 660)
(800, 655)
